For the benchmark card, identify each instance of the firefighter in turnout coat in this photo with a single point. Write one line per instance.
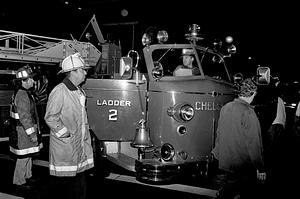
(70, 146)
(25, 137)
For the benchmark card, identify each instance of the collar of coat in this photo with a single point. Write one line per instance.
(22, 88)
(243, 102)
(69, 84)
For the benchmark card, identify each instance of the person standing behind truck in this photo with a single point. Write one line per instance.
(70, 149)
(24, 139)
(270, 110)
(238, 147)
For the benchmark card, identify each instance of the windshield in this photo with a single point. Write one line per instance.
(183, 62)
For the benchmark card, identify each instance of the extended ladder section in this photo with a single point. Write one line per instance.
(23, 47)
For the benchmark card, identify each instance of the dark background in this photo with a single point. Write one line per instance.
(264, 31)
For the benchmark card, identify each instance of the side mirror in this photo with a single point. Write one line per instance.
(126, 67)
(263, 75)
(157, 71)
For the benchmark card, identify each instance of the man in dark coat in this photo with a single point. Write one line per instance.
(238, 147)
(24, 141)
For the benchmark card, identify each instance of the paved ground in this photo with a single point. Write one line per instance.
(283, 184)
(98, 187)
(99, 183)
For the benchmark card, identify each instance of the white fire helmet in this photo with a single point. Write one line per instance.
(73, 62)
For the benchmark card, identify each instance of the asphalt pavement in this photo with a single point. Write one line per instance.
(97, 187)
(283, 183)
(99, 184)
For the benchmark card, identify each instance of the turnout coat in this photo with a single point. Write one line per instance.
(66, 115)
(25, 122)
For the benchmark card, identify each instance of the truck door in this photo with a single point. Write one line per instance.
(115, 107)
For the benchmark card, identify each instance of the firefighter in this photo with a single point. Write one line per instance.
(188, 67)
(24, 139)
(70, 149)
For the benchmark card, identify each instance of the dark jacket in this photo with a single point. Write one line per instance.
(25, 124)
(239, 143)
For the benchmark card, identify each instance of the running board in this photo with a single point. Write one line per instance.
(122, 160)
(211, 193)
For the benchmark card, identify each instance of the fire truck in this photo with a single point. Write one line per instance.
(153, 121)
(144, 117)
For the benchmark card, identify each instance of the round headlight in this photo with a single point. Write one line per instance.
(186, 112)
(181, 112)
(167, 152)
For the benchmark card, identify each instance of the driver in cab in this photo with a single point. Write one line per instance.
(187, 68)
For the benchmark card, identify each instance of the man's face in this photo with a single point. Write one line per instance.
(188, 60)
(81, 74)
(28, 83)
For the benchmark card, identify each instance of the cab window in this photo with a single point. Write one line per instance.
(211, 65)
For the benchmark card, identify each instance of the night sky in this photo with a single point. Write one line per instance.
(264, 31)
